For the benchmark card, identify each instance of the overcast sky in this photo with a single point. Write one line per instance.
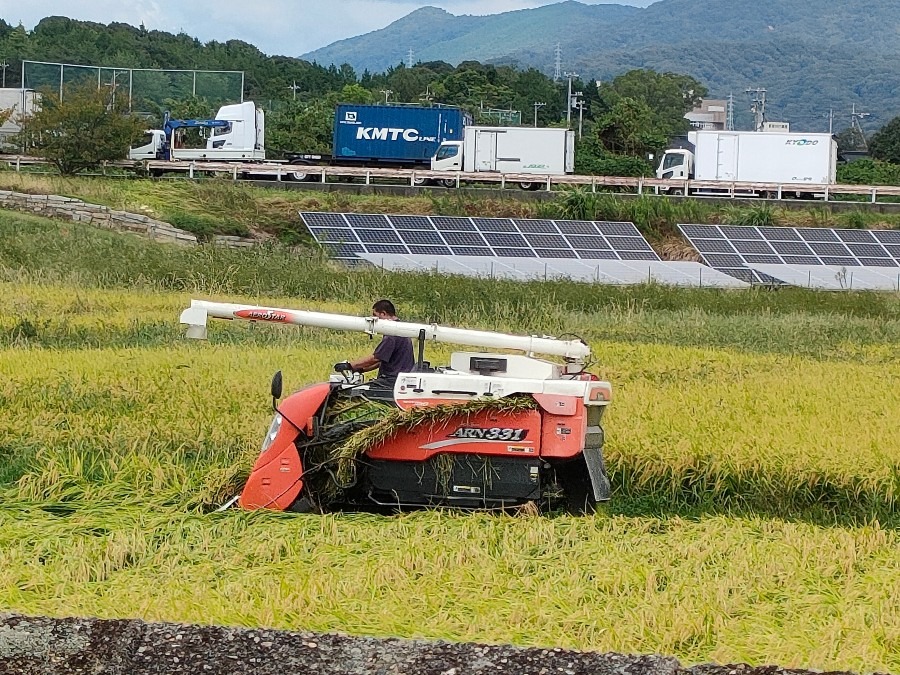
(286, 27)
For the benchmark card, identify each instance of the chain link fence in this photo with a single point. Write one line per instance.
(145, 89)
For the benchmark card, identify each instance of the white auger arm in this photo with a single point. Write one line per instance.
(196, 316)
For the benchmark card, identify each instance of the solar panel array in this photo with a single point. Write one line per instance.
(736, 249)
(824, 277)
(347, 236)
(596, 271)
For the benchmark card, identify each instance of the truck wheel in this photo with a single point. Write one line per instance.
(298, 176)
(447, 182)
(530, 186)
(420, 182)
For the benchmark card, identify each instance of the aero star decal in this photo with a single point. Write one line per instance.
(263, 315)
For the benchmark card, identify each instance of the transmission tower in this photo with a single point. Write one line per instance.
(855, 117)
(410, 61)
(758, 107)
(557, 73)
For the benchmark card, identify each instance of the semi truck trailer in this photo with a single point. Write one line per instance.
(391, 136)
(364, 135)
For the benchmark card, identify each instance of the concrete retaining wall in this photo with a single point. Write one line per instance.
(75, 210)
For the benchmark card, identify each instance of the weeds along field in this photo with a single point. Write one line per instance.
(753, 442)
(219, 206)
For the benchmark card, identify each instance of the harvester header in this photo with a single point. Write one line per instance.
(197, 314)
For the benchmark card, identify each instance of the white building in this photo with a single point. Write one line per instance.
(19, 101)
(712, 115)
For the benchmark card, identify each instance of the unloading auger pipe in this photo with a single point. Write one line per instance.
(196, 316)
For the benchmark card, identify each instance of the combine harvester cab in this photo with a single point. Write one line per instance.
(490, 431)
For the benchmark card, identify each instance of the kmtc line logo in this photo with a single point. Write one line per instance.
(383, 134)
(802, 141)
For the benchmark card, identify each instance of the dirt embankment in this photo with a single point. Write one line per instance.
(41, 646)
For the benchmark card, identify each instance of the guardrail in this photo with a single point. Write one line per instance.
(419, 178)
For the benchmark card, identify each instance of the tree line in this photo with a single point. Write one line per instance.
(622, 122)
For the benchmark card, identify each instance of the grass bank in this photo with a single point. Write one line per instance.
(219, 206)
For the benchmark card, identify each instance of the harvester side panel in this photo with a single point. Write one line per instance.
(277, 476)
(563, 435)
(484, 433)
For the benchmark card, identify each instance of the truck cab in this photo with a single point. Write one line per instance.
(449, 157)
(152, 146)
(676, 164)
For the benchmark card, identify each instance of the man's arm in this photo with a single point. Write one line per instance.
(365, 364)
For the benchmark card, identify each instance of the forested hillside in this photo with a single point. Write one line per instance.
(811, 56)
(809, 62)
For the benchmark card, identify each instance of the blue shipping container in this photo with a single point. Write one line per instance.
(394, 134)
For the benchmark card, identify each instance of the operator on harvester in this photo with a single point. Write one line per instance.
(392, 356)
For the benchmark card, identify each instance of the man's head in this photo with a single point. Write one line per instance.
(384, 309)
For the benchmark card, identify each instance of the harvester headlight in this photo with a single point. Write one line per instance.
(272, 432)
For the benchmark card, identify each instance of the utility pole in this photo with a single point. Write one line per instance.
(294, 88)
(831, 120)
(580, 105)
(729, 120)
(569, 102)
(758, 107)
(387, 93)
(4, 65)
(536, 106)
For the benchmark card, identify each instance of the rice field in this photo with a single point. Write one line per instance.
(753, 444)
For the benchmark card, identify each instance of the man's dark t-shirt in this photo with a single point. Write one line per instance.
(396, 356)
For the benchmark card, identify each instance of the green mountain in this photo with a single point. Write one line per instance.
(811, 56)
(436, 35)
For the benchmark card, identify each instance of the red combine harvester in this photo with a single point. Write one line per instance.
(491, 430)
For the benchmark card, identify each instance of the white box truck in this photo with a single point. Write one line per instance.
(752, 157)
(529, 150)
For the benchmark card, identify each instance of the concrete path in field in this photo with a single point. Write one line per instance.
(43, 646)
